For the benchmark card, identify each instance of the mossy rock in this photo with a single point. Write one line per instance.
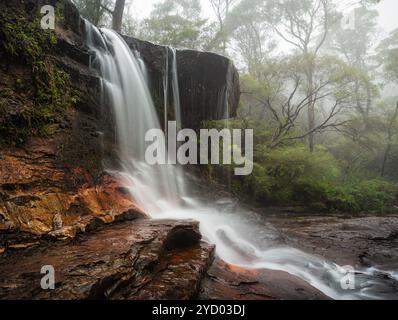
(34, 102)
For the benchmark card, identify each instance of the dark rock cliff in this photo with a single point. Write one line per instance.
(209, 83)
(51, 156)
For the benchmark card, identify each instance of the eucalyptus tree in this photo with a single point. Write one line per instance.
(388, 56)
(222, 10)
(177, 23)
(304, 25)
(281, 97)
(355, 44)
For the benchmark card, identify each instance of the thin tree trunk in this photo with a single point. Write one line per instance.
(385, 158)
(118, 15)
(311, 111)
(389, 145)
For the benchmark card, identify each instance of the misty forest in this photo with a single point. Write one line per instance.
(318, 89)
(316, 81)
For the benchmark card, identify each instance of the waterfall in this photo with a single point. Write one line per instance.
(166, 92)
(160, 189)
(124, 86)
(176, 89)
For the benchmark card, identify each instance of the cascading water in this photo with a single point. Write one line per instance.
(124, 86)
(159, 189)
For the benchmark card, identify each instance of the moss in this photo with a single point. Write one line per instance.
(35, 104)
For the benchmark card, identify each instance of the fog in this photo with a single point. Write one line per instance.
(387, 10)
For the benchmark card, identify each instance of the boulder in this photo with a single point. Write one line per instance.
(130, 260)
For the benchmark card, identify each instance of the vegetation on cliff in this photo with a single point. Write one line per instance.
(35, 92)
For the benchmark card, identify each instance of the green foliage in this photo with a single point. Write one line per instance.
(388, 55)
(176, 23)
(293, 173)
(94, 10)
(32, 105)
(374, 195)
(294, 176)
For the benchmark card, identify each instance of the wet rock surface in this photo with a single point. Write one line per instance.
(40, 197)
(357, 240)
(229, 282)
(130, 260)
(208, 83)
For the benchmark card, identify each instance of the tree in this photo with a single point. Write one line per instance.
(392, 131)
(117, 15)
(251, 34)
(130, 25)
(355, 45)
(252, 44)
(96, 11)
(388, 56)
(221, 9)
(304, 24)
(231, 16)
(93, 10)
(282, 96)
(176, 23)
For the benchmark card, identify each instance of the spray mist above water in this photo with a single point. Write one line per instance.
(161, 190)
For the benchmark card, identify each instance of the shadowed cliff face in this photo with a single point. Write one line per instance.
(208, 83)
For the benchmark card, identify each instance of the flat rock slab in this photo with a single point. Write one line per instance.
(228, 282)
(130, 260)
(360, 241)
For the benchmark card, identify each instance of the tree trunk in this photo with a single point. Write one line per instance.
(385, 158)
(390, 140)
(311, 111)
(118, 15)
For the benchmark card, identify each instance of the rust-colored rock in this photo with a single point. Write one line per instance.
(39, 196)
(178, 275)
(29, 203)
(130, 260)
(228, 282)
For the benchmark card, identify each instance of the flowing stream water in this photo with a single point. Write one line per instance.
(161, 190)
